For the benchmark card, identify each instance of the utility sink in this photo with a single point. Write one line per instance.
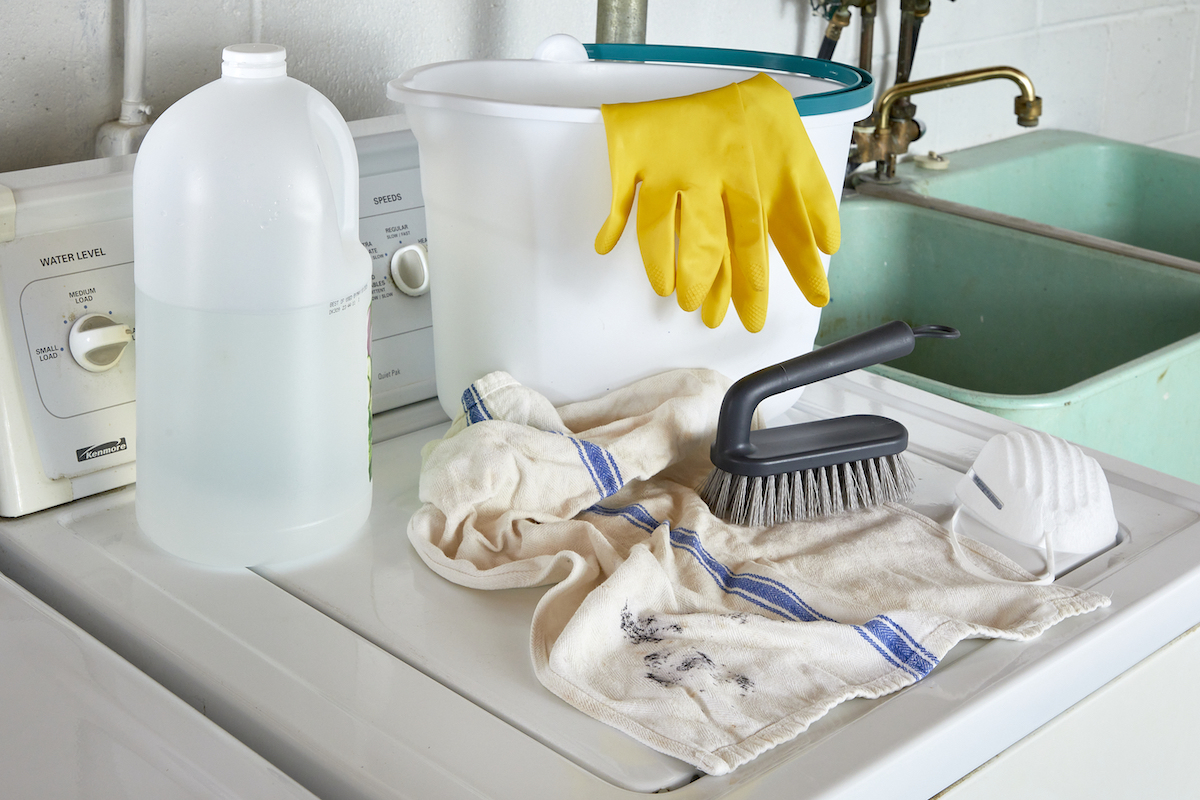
(1138, 196)
(1099, 348)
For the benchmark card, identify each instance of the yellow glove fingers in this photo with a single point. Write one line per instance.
(701, 248)
(816, 196)
(801, 207)
(618, 216)
(747, 231)
(797, 245)
(693, 158)
(657, 207)
(750, 303)
(716, 304)
(623, 172)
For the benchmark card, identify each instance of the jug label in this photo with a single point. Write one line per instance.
(349, 301)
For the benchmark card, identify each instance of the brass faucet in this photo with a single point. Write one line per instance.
(886, 138)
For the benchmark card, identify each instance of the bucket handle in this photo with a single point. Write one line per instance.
(340, 157)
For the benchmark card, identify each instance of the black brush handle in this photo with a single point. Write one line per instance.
(884, 343)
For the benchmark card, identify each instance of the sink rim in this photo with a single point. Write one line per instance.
(1161, 359)
(911, 187)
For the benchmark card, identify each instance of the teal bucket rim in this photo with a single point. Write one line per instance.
(857, 89)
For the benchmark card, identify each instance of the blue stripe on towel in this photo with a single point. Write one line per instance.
(601, 466)
(909, 638)
(884, 634)
(764, 592)
(887, 637)
(473, 406)
(894, 639)
(635, 515)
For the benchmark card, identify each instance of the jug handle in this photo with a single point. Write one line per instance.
(336, 146)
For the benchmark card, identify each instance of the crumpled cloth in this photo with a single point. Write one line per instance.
(705, 641)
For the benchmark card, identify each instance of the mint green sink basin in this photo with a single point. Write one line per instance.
(1098, 348)
(1127, 193)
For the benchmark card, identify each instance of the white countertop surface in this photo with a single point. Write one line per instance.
(77, 720)
(365, 675)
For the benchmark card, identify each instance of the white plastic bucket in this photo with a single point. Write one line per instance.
(514, 172)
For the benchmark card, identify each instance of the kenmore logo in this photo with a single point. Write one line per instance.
(95, 451)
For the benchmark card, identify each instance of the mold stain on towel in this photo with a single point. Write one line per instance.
(689, 668)
(640, 630)
(694, 670)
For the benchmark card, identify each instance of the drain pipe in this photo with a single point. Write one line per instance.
(621, 21)
(124, 135)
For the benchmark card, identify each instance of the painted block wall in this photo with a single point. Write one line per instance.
(1118, 68)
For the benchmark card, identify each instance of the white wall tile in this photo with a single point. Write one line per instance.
(781, 26)
(1068, 66)
(1060, 11)
(382, 39)
(1188, 145)
(1120, 68)
(49, 66)
(1148, 80)
(965, 21)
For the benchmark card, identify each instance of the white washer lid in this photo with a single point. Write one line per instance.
(80, 721)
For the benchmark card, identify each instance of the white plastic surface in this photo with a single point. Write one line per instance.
(560, 47)
(514, 169)
(79, 721)
(253, 309)
(1135, 737)
(366, 675)
(253, 61)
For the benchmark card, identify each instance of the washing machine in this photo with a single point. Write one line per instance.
(363, 674)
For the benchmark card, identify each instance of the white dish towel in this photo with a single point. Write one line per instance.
(705, 641)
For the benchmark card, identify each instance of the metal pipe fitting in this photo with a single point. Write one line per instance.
(866, 38)
(621, 21)
(912, 14)
(837, 22)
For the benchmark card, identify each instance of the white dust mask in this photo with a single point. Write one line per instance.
(1041, 491)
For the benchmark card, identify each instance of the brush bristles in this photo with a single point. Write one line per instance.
(808, 494)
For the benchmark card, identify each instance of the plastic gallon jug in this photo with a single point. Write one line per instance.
(514, 172)
(252, 307)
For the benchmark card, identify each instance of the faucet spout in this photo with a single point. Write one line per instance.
(1028, 106)
(890, 137)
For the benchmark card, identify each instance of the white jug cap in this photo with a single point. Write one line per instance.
(254, 61)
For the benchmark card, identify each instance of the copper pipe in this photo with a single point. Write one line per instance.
(866, 38)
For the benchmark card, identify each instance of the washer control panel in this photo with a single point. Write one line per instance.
(69, 356)
(82, 419)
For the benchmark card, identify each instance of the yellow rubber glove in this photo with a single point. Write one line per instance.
(694, 160)
(801, 208)
(750, 303)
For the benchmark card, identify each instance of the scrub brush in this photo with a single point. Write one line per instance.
(813, 469)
